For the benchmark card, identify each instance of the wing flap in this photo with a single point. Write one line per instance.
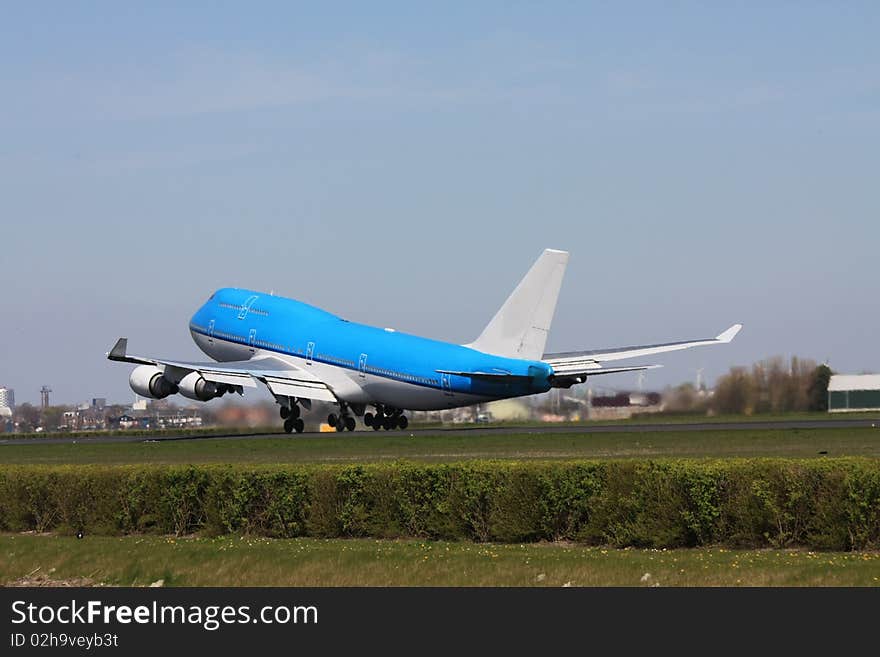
(292, 387)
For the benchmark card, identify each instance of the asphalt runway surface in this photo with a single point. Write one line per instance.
(481, 431)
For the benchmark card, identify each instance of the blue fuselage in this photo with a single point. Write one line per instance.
(248, 321)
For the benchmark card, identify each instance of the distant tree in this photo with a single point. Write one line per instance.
(50, 418)
(817, 390)
(734, 393)
(27, 416)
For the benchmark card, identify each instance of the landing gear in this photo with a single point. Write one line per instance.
(343, 421)
(289, 411)
(386, 418)
(292, 424)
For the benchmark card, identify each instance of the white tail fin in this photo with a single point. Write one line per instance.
(519, 329)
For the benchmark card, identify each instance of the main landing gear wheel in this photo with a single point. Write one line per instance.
(368, 419)
(332, 420)
(350, 423)
(294, 424)
(289, 411)
(402, 422)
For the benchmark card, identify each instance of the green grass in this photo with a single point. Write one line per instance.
(694, 418)
(244, 561)
(366, 447)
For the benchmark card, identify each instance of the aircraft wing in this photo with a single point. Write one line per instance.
(577, 365)
(281, 377)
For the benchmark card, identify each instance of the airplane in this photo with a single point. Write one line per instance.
(302, 354)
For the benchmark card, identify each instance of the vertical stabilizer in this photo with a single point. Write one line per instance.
(519, 329)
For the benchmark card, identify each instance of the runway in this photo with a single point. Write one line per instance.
(476, 431)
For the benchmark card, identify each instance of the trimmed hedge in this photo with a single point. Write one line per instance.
(823, 504)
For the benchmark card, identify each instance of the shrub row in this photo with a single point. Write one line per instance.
(823, 504)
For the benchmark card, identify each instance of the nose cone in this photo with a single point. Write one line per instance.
(202, 318)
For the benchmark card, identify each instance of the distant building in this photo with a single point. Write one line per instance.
(7, 399)
(854, 392)
(99, 403)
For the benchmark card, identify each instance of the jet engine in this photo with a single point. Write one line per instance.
(193, 386)
(149, 381)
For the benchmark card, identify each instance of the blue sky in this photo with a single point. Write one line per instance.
(403, 165)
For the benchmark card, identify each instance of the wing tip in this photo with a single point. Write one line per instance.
(729, 334)
(119, 349)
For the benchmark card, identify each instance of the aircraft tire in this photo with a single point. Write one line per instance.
(284, 412)
(331, 419)
(294, 411)
(349, 423)
(288, 425)
(386, 424)
(377, 424)
(299, 425)
(402, 422)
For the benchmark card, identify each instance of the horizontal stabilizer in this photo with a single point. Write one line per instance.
(604, 370)
(496, 377)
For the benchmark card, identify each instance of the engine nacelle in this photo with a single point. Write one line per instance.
(148, 381)
(193, 386)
